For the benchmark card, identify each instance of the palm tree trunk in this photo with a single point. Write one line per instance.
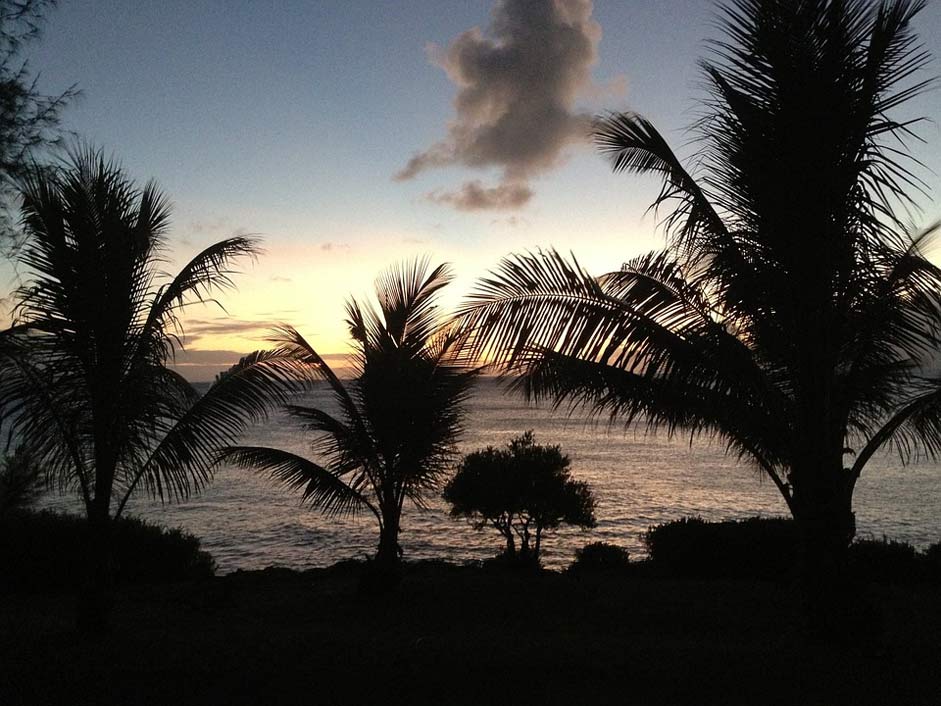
(96, 594)
(388, 556)
(827, 525)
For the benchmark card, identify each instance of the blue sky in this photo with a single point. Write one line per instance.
(289, 119)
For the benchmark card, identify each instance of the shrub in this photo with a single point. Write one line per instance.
(753, 548)
(768, 548)
(933, 561)
(522, 491)
(46, 551)
(601, 557)
(885, 561)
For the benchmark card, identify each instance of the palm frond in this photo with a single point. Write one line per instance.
(184, 458)
(323, 489)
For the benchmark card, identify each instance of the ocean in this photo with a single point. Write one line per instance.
(247, 521)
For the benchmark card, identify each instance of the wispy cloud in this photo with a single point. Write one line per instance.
(511, 221)
(199, 329)
(515, 107)
(203, 366)
(334, 247)
(220, 226)
(474, 196)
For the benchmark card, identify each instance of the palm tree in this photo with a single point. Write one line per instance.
(393, 439)
(84, 379)
(792, 314)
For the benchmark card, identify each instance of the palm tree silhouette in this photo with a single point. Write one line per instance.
(84, 380)
(393, 439)
(792, 313)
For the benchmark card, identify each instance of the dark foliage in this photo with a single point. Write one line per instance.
(29, 119)
(753, 548)
(21, 481)
(887, 561)
(769, 548)
(601, 557)
(42, 551)
(522, 491)
(933, 561)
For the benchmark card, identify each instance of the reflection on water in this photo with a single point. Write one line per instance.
(248, 522)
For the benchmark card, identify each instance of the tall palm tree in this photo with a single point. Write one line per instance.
(84, 376)
(393, 439)
(791, 314)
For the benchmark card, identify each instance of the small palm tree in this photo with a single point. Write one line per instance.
(792, 313)
(84, 376)
(393, 440)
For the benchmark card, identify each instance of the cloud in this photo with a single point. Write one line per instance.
(331, 247)
(222, 225)
(474, 196)
(279, 278)
(197, 329)
(515, 107)
(511, 221)
(203, 366)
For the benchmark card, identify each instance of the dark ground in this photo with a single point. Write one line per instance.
(465, 635)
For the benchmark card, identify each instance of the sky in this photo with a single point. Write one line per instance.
(351, 135)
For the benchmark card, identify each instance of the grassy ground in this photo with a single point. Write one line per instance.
(464, 635)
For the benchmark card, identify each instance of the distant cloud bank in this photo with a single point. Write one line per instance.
(515, 107)
(204, 365)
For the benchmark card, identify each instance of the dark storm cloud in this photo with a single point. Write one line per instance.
(515, 104)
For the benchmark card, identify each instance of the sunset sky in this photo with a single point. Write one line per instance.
(350, 135)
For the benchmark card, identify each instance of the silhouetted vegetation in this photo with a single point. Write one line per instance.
(84, 381)
(462, 635)
(45, 551)
(29, 119)
(21, 481)
(933, 561)
(394, 438)
(754, 548)
(792, 312)
(522, 491)
(601, 557)
(765, 548)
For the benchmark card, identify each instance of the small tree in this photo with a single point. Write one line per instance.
(393, 438)
(522, 491)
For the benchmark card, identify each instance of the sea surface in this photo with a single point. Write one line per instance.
(247, 521)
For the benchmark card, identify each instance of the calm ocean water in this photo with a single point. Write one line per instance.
(249, 522)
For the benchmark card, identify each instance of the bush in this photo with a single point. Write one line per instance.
(764, 548)
(46, 551)
(769, 548)
(601, 557)
(886, 561)
(933, 561)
